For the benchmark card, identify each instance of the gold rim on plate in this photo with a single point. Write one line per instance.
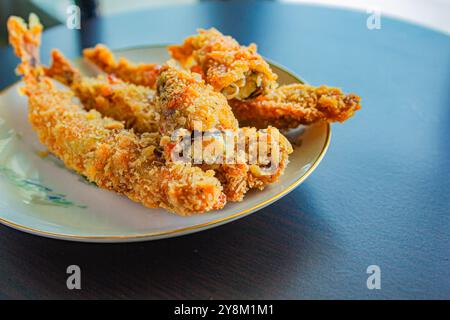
(185, 230)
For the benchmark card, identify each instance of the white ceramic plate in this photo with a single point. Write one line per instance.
(40, 196)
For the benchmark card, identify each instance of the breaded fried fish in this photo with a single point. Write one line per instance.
(292, 105)
(185, 100)
(254, 103)
(100, 148)
(237, 71)
(134, 105)
(139, 74)
(180, 93)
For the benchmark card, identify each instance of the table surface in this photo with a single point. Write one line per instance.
(380, 197)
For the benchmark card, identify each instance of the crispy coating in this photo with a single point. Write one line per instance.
(117, 100)
(236, 71)
(100, 148)
(132, 104)
(139, 74)
(292, 105)
(255, 168)
(186, 101)
(179, 90)
(237, 179)
(285, 107)
(243, 159)
(182, 99)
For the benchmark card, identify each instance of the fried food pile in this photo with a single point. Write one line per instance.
(123, 129)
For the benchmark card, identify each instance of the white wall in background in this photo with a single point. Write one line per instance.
(117, 6)
(431, 13)
(56, 9)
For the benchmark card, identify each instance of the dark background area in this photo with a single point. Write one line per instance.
(89, 9)
(380, 196)
(21, 8)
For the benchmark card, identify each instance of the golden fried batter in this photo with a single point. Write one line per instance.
(132, 104)
(264, 169)
(291, 105)
(182, 99)
(185, 100)
(139, 74)
(237, 71)
(99, 148)
(121, 101)
(249, 158)
(284, 107)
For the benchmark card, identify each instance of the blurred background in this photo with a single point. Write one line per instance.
(53, 12)
(431, 13)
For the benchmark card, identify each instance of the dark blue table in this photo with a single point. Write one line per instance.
(380, 197)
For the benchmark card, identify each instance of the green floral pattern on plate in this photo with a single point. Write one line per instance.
(32, 189)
